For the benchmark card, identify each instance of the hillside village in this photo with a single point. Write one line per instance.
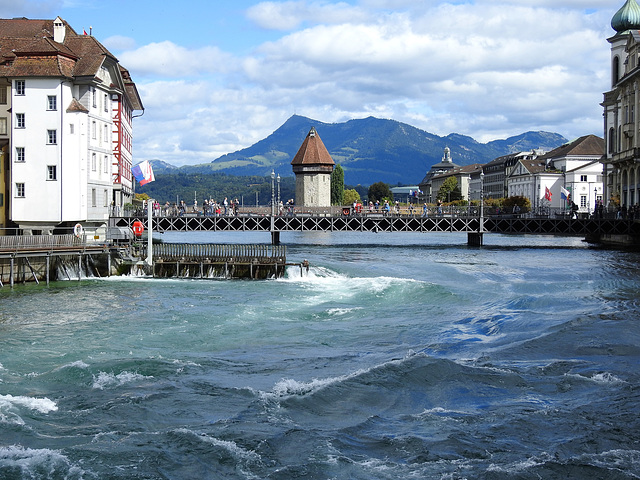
(67, 108)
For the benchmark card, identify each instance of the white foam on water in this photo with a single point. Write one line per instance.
(232, 447)
(39, 463)
(42, 405)
(603, 378)
(109, 380)
(76, 364)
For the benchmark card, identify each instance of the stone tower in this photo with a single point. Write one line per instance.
(313, 166)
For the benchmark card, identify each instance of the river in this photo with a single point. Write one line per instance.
(397, 356)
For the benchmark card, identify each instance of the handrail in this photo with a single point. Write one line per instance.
(41, 242)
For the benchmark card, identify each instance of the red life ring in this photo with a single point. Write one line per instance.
(137, 228)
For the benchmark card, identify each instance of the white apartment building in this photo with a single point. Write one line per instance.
(66, 108)
(574, 166)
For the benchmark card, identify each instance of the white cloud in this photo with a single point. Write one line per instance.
(487, 69)
(166, 59)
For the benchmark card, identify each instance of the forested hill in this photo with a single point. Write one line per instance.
(370, 150)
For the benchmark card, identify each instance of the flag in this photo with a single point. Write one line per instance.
(547, 193)
(143, 172)
(564, 193)
(84, 32)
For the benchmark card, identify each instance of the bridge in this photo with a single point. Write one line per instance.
(595, 229)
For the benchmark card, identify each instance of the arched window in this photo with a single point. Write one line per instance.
(615, 70)
(612, 140)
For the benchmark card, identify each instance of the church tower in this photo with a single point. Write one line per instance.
(313, 166)
(621, 108)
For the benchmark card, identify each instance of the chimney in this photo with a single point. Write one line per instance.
(59, 30)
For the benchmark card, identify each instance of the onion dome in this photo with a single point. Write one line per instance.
(627, 18)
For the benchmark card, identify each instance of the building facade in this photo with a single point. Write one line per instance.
(66, 108)
(445, 165)
(313, 166)
(621, 162)
(574, 167)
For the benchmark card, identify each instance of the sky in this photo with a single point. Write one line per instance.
(216, 76)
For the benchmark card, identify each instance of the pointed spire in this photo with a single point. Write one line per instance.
(627, 18)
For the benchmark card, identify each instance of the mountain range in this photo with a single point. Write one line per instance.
(369, 150)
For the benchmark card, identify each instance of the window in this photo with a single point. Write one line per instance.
(3, 95)
(93, 162)
(93, 197)
(52, 137)
(20, 155)
(583, 201)
(52, 102)
(19, 86)
(93, 97)
(106, 198)
(106, 133)
(106, 164)
(20, 190)
(106, 102)
(51, 172)
(20, 120)
(3, 125)
(583, 178)
(93, 130)
(72, 128)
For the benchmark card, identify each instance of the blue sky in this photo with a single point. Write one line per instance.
(218, 76)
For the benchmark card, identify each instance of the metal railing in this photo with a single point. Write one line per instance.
(41, 242)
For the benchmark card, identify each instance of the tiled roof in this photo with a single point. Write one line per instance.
(312, 151)
(27, 49)
(76, 106)
(466, 169)
(584, 146)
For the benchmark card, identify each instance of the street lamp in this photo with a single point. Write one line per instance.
(278, 197)
(481, 202)
(273, 176)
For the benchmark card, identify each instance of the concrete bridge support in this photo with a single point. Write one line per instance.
(475, 239)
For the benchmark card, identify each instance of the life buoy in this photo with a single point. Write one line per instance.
(77, 230)
(137, 228)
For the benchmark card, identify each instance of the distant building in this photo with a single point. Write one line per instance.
(621, 161)
(574, 166)
(498, 170)
(445, 165)
(66, 109)
(312, 166)
(463, 176)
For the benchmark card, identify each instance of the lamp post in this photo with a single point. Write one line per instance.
(273, 177)
(278, 197)
(481, 202)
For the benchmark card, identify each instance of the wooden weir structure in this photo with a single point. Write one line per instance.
(220, 260)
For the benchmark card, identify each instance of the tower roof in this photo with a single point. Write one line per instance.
(312, 151)
(627, 18)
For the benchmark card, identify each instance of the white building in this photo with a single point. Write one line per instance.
(65, 127)
(574, 166)
(621, 105)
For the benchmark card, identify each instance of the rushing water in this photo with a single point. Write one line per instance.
(398, 356)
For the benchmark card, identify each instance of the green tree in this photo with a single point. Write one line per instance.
(449, 190)
(337, 186)
(351, 196)
(379, 191)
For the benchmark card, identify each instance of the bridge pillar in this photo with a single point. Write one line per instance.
(275, 237)
(475, 239)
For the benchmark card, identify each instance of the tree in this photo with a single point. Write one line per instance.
(379, 191)
(337, 186)
(351, 197)
(449, 190)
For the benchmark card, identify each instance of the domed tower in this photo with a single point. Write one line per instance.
(622, 108)
(313, 166)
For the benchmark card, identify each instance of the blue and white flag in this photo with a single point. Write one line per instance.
(564, 193)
